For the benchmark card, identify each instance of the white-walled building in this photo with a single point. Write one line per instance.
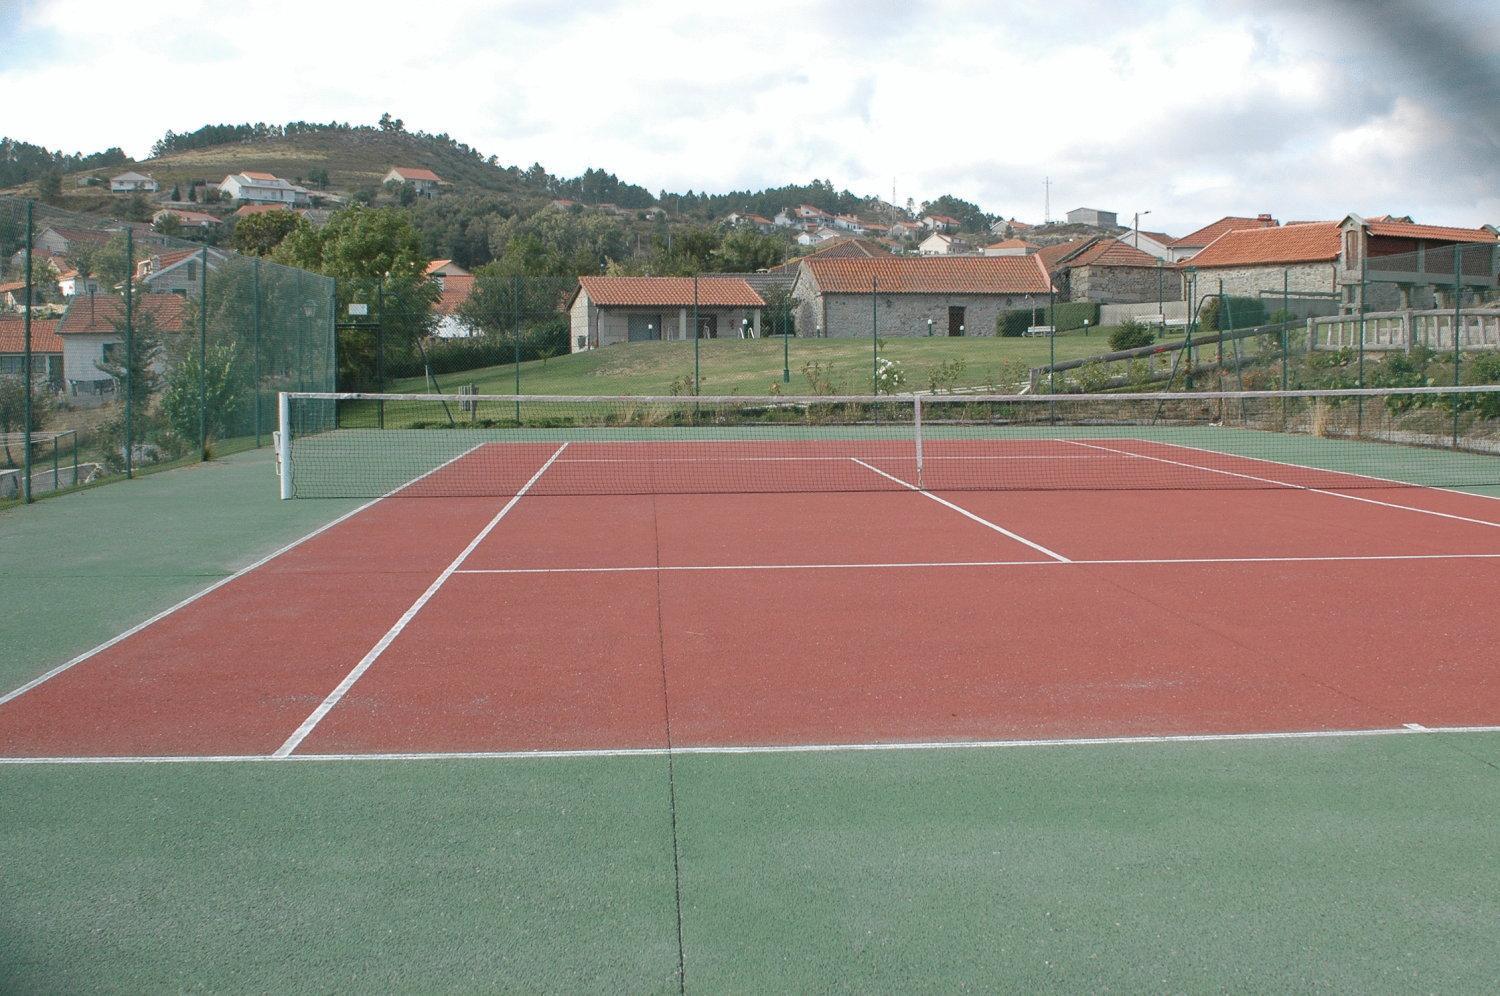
(609, 310)
(129, 183)
(262, 188)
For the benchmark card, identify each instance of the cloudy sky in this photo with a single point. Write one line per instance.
(1188, 109)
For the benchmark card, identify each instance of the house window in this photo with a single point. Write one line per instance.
(192, 270)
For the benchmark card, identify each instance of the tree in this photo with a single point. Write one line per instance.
(49, 187)
(375, 255)
(169, 225)
(745, 250)
(971, 217)
(176, 192)
(226, 392)
(13, 411)
(388, 123)
(260, 234)
(137, 367)
(318, 177)
(192, 193)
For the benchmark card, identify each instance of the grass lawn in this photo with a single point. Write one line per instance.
(735, 366)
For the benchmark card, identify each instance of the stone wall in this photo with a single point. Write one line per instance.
(1123, 284)
(1251, 281)
(850, 315)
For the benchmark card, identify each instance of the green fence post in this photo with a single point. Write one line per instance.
(515, 338)
(1051, 342)
(874, 336)
(129, 352)
(203, 358)
(56, 482)
(786, 348)
(1192, 326)
(27, 413)
(697, 384)
(1458, 304)
(73, 435)
(255, 342)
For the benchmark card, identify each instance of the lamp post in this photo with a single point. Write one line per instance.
(744, 328)
(1137, 226)
(929, 328)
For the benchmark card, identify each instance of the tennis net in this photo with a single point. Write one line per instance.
(369, 445)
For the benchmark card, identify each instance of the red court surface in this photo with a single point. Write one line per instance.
(564, 622)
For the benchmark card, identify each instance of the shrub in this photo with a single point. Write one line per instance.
(1131, 335)
(890, 377)
(1093, 376)
(946, 375)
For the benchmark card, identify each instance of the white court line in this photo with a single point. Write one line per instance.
(1300, 466)
(649, 568)
(1288, 484)
(311, 722)
(823, 459)
(965, 512)
(220, 583)
(1410, 729)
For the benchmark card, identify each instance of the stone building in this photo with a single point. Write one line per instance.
(609, 310)
(1193, 243)
(914, 296)
(1411, 262)
(1109, 271)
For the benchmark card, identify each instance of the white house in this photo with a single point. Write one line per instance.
(70, 283)
(454, 290)
(938, 244)
(904, 230)
(424, 181)
(260, 188)
(818, 236)
(609, 310)
(90, 333)
(941, 222)
(1010, 247)
(127, 183)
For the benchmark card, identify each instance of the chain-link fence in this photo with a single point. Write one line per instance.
(492, 332)
(124, 351)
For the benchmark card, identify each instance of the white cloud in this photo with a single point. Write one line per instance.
(1191, 109)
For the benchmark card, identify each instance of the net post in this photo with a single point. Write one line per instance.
(916, 419)
(284, 442)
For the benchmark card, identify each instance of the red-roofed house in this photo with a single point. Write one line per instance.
(1111, 271)
(1411, 262)
(941, 222)
(90, 333)
(187, 219)
(1190, 244)
(177, 271)
(1010, 247)
(453, 291)
(440, 268)
(46, 348)
(950, 295)
(425, 181)
(609, 310)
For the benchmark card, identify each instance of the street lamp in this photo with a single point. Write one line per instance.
(1137, 226)
(744, 328)
(929, 328)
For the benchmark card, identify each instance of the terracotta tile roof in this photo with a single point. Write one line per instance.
(1314, 243)
(1231, 223)
(1442, 233)
(258, 176)
(671, 292)
(1054, 255)
(82, 234)
(455, 291)
(15, 285)
(1112, 252)
(1012, 244)
(1161, 237)
(438, 264)
(931, 275)
(99, 312)
(410, 173)
(839, 248)
(248, 209)
(43, 335)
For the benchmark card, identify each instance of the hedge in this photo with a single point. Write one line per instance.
(1066, 317)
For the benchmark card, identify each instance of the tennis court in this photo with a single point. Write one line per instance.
(738, 589)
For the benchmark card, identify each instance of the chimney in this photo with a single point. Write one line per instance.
(1263, 218)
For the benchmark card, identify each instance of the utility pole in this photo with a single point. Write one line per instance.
(1047, 200)
(1137, 227)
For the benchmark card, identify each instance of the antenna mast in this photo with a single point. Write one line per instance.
(1047, 202)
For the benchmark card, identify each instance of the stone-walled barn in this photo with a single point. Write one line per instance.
(914, 296)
